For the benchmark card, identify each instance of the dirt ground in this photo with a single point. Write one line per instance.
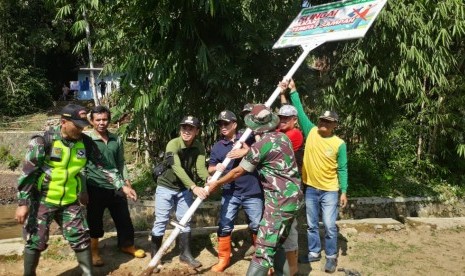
(410, 251)
(419, 250)
(8, 182)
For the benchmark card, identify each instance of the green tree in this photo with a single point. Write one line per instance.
(406, 77)
(192, 57)
(81, 12)
(25, 39)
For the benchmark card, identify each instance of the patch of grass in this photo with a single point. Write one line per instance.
(10, 258)
(142, 225)
(30, 122)
(58, 249)
(6, 158)
(364, 250)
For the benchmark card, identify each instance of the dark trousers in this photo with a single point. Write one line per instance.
(117, 204)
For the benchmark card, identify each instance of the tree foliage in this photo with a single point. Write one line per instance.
(399, 90)
(193, 57)
(25, 38)
(406, 77)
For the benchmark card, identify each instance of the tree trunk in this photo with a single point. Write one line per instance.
(434, 134)
(146, 142)
(420, 132)
(91, 60)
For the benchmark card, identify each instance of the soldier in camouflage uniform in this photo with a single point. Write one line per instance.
(273, 156)
(51, 186)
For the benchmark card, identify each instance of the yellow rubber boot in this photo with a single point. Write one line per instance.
(131, 250)
(96, 259)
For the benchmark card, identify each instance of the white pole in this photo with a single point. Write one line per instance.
(187, 216)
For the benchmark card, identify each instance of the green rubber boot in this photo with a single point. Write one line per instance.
(256, 270)
(85, 261)
(31, 260)
(281, 265)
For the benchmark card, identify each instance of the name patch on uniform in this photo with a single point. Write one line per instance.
(81, 153)
(56, 154)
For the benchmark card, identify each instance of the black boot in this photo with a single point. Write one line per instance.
(251, 250)
(31, 260)
(281, 266)
(156, 244)
(184, 247)
(85, 261)
(256, 270)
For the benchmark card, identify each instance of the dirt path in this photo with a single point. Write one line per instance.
(8, 183)
(410, 251)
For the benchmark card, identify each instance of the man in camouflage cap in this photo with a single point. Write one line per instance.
(274, 158)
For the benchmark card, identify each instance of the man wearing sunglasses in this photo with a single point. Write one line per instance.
(245, 192)
(324, 174)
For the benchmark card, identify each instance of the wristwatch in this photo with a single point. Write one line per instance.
(23, 202)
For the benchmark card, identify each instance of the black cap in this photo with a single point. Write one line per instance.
(226, 116)
(330, 116)
(76, 114)
(190, 120)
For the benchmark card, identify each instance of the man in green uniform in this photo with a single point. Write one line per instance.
(177, 184)
(109, 187)
(274, 159)
(50, 188)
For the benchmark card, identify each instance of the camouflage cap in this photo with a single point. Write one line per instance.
(261, 119)
(287, 110)
(247, 108)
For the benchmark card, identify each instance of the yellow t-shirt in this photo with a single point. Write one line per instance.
(320, 161)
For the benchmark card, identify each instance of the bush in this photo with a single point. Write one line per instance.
(5, 157)
(23, 91)
(12, 162)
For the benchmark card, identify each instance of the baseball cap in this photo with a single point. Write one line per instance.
(226, 116)
(247, 108)
(190, 120)
(287, 110)
(261, 119)
(330, 116)
(76, 114)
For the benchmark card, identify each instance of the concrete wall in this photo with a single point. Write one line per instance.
(17, 141)
(142, 212)
(207, 214)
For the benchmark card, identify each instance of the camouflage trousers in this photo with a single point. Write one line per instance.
(273, 231)
(70, 218)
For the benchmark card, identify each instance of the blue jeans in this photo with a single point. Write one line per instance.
(230, 204)
(165, 200)
(328, 202)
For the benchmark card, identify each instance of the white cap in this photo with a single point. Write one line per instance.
(287, 110)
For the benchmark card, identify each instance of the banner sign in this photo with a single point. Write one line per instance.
(331, 22)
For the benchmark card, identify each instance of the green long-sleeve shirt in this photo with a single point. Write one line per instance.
(187, 163)
(111, 171)
(325, 158)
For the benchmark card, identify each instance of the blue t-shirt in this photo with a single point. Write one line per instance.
(246, 185)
